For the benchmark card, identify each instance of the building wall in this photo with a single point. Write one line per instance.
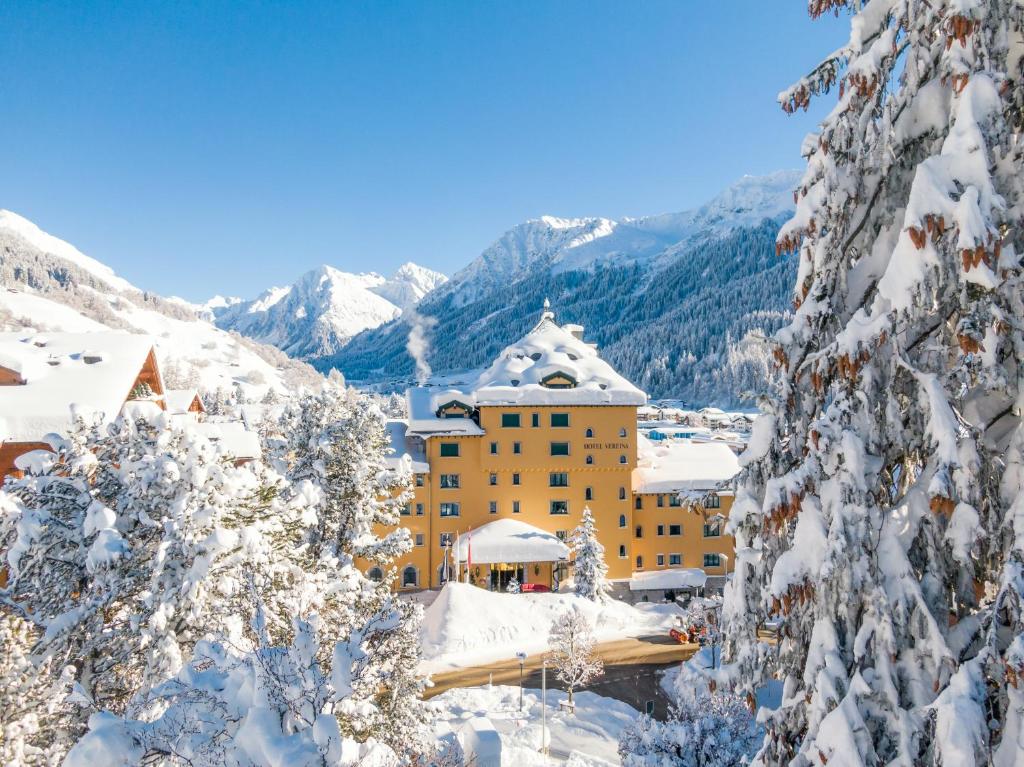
(691, 544)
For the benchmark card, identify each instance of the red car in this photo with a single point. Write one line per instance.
(537, 588)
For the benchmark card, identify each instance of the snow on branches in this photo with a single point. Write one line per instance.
(878, 511)
(590, 568)
(572, 651)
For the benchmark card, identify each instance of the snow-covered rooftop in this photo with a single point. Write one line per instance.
(423, 420)
(510, 540)
(180, 400)
(668, 579)
(681, 466)
(88, 372)
(405, 448)
(232, 438)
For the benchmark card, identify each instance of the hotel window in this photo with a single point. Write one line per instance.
(446, 539)
(449, 481)
(375, 574)
(515, 479)
(622, 432)
(449, 449)
(638, 502)
(493, 479)
(712, 560)
(406, 510)
(675, 501)
(590, 459)
(589, 493)
(559, 507)
(419, 539)
(558, 479)
(622, 520)
(713, 530)
(515, 507)
(589, 433)
(419, 480)
(419, 509)
(535, 420)
(639, 531)
(661, 500)
(410, 577)
(449, 509)
(622, 459)
(510, 420)
(492, 507)
(712, 502)
(562, 535)
(661, 560)
(517, 448)
(622, 493)
(559, 448)
(675, 559)
(675, 529)
(494, 448)
(622, 551)
(559, 420)
(639, 562)
(661, 529)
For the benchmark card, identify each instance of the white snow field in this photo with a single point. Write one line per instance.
(468, 626)
(588, 737)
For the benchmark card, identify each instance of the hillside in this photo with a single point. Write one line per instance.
(48, 284)
(676, 302)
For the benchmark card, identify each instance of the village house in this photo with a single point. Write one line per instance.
(48, 378)
(502, 470)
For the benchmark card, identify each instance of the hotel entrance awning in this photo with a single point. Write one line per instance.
(509, 540)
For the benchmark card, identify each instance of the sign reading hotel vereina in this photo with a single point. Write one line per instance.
(605, 445)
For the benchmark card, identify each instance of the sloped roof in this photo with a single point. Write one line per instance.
(85, 372)
(511, 540)
(679, 578)
(180, 400)
(405, 448)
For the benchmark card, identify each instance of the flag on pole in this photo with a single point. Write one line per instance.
(458, 555)
(469, 552)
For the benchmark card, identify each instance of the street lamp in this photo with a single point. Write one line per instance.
(521, 656)
(544, 706)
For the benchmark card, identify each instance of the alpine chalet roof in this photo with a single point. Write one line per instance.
(87, 372)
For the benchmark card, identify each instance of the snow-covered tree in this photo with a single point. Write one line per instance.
(572, 651)
(591, 571)
(702, 730)
(513, 586)
(879, 510)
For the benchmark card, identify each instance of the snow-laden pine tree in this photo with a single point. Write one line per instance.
(590, 569)
(349, 502)
(572, 651)
(880, 511)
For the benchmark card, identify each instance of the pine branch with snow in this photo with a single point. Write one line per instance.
(591, 570)
(572, 651)
(878, 511)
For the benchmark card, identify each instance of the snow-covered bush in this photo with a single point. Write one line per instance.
(572, 651)
(879, 508)
(702, 730)
(513, 586)
(591, 571)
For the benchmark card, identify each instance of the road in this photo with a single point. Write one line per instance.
(631, 671)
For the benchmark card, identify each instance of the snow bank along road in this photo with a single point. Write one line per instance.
(634, 651)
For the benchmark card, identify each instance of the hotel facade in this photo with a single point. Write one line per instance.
(504, 468)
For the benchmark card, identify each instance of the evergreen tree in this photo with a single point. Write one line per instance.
(591, 571)
(572, 651)
(879, 508)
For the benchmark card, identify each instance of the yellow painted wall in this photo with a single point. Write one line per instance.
(691, 544)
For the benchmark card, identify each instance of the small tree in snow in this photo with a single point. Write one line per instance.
(705, 730)
(513, 585)
(572, 651)
(590, 568)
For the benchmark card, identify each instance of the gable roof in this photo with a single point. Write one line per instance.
(84, 372)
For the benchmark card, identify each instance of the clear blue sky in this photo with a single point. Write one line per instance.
(222, 147)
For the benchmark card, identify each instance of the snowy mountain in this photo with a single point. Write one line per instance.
(677, 302)
(326, 307)
(48, 284)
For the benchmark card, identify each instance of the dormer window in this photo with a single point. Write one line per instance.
(558, 380)
(454, 409)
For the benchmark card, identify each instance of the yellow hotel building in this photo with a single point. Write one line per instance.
(504, 468)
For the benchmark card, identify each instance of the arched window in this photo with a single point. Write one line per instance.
(622, 552)
(622, 520)
(622, 432)
(590, 459)
(622, 493)
(410, 577)
(639, 562)
(590, 433)
(639, 531)
(375, 574)
(590, 493)
(622, 459)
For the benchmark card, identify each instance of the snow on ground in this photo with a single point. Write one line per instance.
(468, 626)
(768, 696)
(588, 737)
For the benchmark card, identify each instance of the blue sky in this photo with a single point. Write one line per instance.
(222, 147)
